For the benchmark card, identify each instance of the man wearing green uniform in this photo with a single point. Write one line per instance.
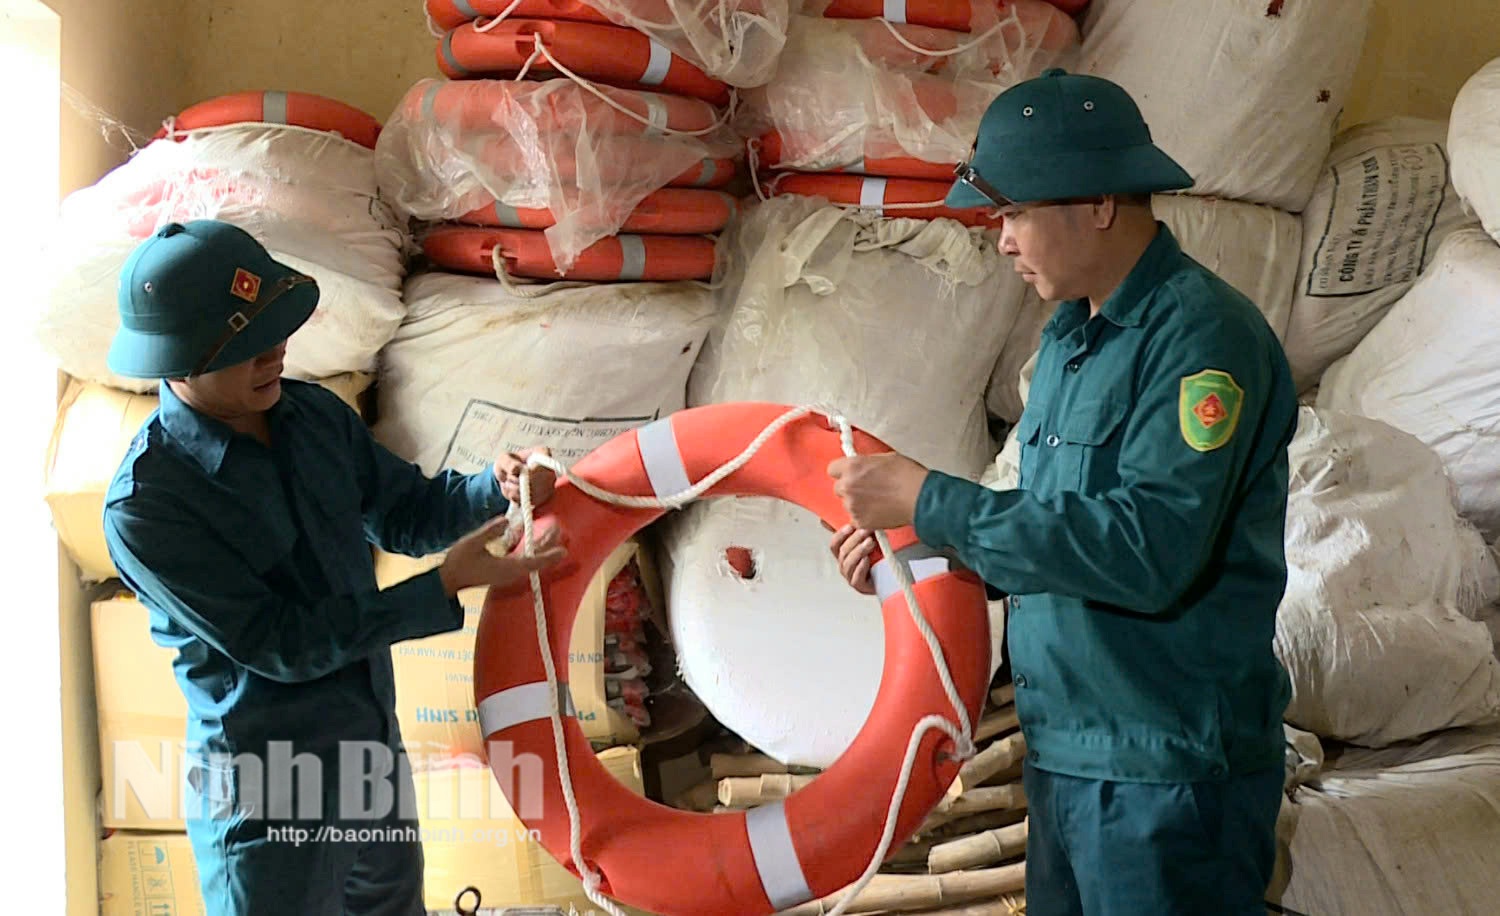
(1143, 551)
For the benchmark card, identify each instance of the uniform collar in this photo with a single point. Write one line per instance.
(202, 436)
(1126, 306)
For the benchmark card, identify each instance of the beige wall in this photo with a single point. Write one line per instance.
(123, 56)
(141, 60)
(119, 57)
(1418, 54)
(363, 52)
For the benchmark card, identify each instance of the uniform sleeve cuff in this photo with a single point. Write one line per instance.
(486, 496)
(426, 607)
(944, 507)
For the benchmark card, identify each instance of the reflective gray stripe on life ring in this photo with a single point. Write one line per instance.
(429, 102)
(895, 10)
(663, 460)
(710, 170)
(632, 257)
(507, 216)
(656, 114)
(447, 47)
(657, 67)
(273, 107)
(464, 9)
(509, 708)
(924, 562)
(775, 857)
(872, 193)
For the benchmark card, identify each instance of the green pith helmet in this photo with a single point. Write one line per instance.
(201, 296)
(1063, 136)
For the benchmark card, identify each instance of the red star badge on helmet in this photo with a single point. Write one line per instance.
(246, 285)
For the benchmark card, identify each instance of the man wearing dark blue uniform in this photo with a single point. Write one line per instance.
(242, 518)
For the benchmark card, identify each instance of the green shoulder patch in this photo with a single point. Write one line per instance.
(1208, 409)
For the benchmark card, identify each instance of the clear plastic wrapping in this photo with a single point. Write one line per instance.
(452, 147)
(737, 41)
(309, 197)
(849, 90)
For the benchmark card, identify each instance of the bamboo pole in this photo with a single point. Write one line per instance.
(745, 792)
(997, 723)
(1004, 695)
(1009, 905)
(904, 893)
(975, 823)
(724, 766)
(1001, 755)
(979, 850)
(978, 801)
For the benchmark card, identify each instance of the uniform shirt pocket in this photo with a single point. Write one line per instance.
(1027, 429)
(1087, 442)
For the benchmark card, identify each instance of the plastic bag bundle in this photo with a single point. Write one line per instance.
(735, 41)
(309, 196)
(857, 95)
(590, 160)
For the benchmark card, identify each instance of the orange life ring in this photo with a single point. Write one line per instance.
(503, 158)
(609, 54)
(670, 211)
(617, 258)
(299, 109)
(874, 193)
(450, 14)
(772, 151)
(937, 14)
(482, 105)
(821, 838)
(955, 15)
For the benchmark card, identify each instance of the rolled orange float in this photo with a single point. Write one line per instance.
(772, 151)
(956, 15)
(450, 14)
(822, 837)
(877, 194)
(502, 156)
(618, 258)
(483, 105)
(671, 211)
(609, 54)
(298, 109)
(938, 14)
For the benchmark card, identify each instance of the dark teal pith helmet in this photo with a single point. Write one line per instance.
(1063, 136)
(201, 296)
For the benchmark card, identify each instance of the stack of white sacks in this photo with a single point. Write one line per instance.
(1405, 656)
(1394, 290)
(308, 194)
(852, 308)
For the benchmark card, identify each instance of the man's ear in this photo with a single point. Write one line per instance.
(1106, 210)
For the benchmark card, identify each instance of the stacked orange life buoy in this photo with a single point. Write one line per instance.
(869, 165)
(668, 235)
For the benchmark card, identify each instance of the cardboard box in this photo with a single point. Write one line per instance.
(95, 426)
(435, 676)
(496, 853)
(142, 720)
(148, 874)
(470, 837)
